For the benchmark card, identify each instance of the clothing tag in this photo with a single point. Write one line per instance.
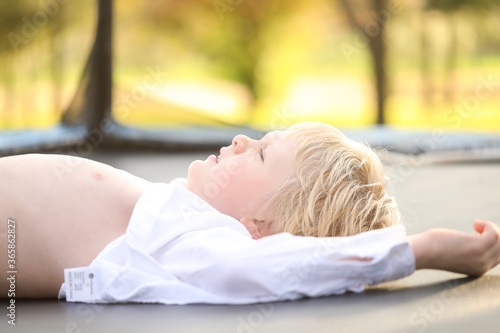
(80, 284)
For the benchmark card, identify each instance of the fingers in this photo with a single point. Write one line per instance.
(490, 239)
(479, 225)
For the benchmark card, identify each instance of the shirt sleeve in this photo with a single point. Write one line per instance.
(287, 267)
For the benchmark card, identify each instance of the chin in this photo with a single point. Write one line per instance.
(193, 170)
(194, 167)
(196, 175)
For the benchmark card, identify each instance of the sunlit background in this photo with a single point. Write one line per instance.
(264, 64)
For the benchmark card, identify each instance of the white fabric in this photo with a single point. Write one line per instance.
(178, 249)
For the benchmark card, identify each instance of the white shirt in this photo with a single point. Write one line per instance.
(178, 250)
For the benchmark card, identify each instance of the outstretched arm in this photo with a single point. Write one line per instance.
(449, 250)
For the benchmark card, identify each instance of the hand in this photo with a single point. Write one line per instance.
(471, 254)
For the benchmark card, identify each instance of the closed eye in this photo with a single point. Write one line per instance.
(261, 153)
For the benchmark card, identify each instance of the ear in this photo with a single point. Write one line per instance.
(250, 224)
(256, 228)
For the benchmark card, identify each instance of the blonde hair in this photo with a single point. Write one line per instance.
(338, 189)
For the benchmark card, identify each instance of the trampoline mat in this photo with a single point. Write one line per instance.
(451, 196)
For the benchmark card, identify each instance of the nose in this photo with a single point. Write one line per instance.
(241, 143)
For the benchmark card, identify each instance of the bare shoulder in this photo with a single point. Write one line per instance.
(55, 162)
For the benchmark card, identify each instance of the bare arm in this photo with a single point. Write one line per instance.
(450, 250)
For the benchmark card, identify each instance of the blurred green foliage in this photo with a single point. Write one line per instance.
(43, 48)
(456, 5)
(262, 63)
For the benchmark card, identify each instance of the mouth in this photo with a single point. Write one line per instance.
(216, 159)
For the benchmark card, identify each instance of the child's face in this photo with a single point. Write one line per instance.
(247, 173)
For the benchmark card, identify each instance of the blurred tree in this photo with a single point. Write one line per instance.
(427, 83)
(13, 15)
(451, 9)
(34, 48)
(230, 33)
(362, 17)
(56, 57)
(448, 6)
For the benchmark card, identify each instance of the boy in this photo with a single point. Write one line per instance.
(182, 243)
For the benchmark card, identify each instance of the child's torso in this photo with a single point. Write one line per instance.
(66, 210)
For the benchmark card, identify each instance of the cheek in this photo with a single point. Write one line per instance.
(239, 187)
(227, 181)
(221, 179)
